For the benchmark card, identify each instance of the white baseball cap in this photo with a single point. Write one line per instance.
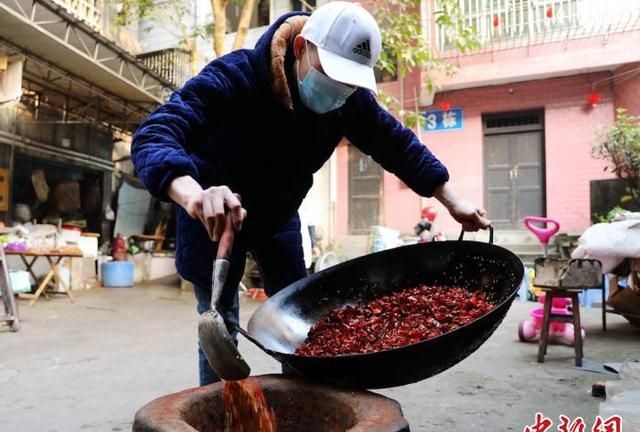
(348, 40)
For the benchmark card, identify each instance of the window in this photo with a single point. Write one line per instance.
(264, 9)
(260, 17)
(365, 192)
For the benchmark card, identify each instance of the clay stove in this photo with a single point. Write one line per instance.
(298, 406)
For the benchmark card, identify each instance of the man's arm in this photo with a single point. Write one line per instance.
(377, 133)
(160, 146)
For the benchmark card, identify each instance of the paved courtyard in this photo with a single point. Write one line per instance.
(90, 365)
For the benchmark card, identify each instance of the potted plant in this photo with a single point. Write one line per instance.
(619, 147)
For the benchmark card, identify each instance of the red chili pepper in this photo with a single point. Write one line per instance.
(395, 320)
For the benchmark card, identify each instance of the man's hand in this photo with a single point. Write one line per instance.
(209, 206)
(469, 216)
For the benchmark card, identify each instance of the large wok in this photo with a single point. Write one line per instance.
(281, 323)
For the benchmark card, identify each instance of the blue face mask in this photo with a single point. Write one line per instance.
(320, 93)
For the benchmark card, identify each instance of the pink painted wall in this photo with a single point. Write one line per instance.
(569, 135)
(401, 205)
(542, 61)
(554, 77)
(627, 91)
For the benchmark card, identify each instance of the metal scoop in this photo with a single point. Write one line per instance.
(218, 347)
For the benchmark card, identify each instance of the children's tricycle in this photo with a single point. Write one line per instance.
(529, 330)
(559, 332)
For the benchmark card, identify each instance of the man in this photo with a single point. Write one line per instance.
(245, 135)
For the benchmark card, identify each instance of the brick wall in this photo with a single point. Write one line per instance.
(627, 88)
(570, 126)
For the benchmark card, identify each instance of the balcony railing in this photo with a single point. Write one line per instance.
(89, 11)
(502, 24)
(172, 64)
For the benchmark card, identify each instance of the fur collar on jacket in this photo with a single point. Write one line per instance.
(281, 42)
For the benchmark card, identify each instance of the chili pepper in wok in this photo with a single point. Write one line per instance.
(402, 318)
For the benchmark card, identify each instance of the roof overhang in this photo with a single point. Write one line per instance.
(59, 47)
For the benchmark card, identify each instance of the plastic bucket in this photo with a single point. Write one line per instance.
(558, 302)
(117, 274)
(538, 316)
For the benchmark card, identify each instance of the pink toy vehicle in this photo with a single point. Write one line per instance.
(529, 330)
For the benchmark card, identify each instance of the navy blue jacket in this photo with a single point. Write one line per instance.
(227, 126)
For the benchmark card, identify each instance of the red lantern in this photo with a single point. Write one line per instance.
(594, 98)
(550, 12)
(445, 105)
(429, 213)
(496, 20)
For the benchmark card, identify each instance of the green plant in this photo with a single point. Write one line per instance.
(619, 146)
(611, 215)
(175, 14)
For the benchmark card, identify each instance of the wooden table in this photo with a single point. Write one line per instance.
(53, 256)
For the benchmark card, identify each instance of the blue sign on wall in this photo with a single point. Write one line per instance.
(438, 120)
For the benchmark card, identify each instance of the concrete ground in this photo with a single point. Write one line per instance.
(90, 365)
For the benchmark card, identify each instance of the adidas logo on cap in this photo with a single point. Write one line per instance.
(364, 49)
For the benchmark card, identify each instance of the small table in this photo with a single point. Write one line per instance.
(53, 256)
(549, 316)
(565, 278)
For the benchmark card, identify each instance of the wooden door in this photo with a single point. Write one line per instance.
(365, 192)
(514, 173)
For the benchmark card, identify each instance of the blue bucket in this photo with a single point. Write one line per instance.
(117, 274)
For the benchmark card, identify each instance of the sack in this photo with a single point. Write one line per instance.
(626, 301)
(65, 197)
(91, 198)
(40, 185)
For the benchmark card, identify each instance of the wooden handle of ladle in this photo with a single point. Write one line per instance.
(225, 244)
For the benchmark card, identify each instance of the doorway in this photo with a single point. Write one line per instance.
(365, 192)
(514, 167)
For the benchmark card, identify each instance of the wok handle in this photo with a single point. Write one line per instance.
(275, 355)
(490, 235)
